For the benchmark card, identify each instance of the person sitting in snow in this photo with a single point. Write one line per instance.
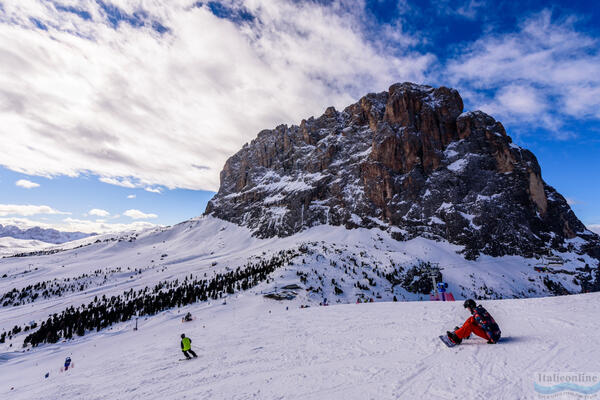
(188, 317)
(186, 347)
(480, 323)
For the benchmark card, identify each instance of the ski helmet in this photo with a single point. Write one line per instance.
(469, 303)
(182, 335)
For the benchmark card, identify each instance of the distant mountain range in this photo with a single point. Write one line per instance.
(44, 235)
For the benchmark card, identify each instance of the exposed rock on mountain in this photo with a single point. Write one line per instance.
(407, 160)
(41, 234)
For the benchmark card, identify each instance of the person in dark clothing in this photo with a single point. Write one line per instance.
(480, 323)
(186, 347)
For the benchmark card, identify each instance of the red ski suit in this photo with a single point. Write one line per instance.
(480, 323)
(471, 326)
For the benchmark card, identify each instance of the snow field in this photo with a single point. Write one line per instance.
(356, 351)
(346, 351)
(207, 245)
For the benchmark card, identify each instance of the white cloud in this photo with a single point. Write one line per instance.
(137, 214)
(27, 210)
(24, 183)
(594, 228)
(544, 73)
(519, 99)
(99, 226)
(153, 190)
(98, 212)
(119, 181)
(24, 223)
(83, 110)
(131, 196)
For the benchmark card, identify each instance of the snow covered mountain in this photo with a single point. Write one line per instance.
(82, 299)
(208, 258)
(253, 347)
(369, 205)
(408, 161)
(40, 234)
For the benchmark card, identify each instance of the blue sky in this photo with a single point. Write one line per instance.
(101, 100)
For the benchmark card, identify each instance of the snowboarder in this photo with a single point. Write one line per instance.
(186, 347)
(480, 323)
(67, 363)
(188, 317)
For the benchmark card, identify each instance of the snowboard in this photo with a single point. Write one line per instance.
(447, 341)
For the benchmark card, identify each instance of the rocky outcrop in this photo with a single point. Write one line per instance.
(407, 160)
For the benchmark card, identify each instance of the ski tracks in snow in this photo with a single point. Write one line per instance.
(358, 351)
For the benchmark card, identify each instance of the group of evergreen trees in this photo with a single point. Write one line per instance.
(105, 311)
(55, 287)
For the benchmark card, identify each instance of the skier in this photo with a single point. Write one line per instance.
(480, 323)
(186, 347)
(67, 363)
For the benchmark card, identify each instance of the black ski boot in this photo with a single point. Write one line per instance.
(453, 338)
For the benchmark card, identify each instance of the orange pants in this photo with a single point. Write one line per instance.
(470, 326)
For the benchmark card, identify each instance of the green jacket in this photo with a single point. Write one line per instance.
(186, 344)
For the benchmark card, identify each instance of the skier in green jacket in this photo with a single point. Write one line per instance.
(186, 347)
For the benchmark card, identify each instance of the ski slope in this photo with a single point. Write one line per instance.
(9, 245)
(208, 245)
(253, 348)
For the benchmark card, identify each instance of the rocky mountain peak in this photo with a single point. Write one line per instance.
(410, 161)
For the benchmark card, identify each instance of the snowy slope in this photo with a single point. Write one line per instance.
(9, 245)
(355, 261)
(253, 348)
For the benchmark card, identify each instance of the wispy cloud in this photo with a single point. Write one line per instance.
(137, 214)
(131, 196)
(469, 9)
(544, 73)
(153, 190)
(71, 103)
(24, 183)
(27, 210)
(119, 181)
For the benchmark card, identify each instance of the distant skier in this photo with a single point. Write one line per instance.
(188, 317)
(67, 363)
(480, 323)
(186, 347)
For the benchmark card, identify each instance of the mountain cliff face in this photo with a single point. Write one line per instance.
(41, 234)
(408, 161)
